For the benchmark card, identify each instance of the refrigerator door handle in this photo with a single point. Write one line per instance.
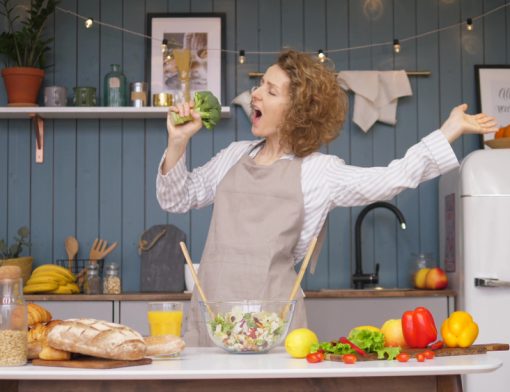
(491, 282)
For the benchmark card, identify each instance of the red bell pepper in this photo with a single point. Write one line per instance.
(359, 350)
(418, 327)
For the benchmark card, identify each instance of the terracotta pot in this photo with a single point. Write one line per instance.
(22, 85)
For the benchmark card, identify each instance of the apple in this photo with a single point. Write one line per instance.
(436, 279)
(393, 335)
(420, 278)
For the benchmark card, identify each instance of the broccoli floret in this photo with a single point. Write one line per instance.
(207, 106)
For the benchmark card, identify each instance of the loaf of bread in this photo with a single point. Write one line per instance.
(97, 338)
(37, 314)
(163, 345)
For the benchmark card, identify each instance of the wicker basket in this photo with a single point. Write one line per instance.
(24, 263)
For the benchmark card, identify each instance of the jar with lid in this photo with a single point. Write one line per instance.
(114, 87)
(111, 279)
(421, 261)
(13, 320)
(93, 282)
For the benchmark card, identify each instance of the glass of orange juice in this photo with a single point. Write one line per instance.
(165, 318)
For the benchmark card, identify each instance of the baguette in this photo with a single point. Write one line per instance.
(163, 345)
(97, 338)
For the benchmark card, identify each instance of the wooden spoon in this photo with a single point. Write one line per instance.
(187, 257)
(299, 278)
(72, 247)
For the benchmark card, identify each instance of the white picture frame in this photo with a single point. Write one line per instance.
(493, 94)
(203, 34)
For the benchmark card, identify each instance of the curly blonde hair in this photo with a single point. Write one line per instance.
(317, 104)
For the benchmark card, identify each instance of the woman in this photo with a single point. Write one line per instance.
(272, 196)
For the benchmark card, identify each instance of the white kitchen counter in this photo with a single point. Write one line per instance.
(212, 363)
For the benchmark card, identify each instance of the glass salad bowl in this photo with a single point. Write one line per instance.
(249, 326)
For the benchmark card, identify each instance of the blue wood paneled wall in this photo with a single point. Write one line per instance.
(98, 178)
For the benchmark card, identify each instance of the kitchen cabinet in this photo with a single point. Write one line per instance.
(134, 315)
(331, 318)
(331, 313)
(60, 310)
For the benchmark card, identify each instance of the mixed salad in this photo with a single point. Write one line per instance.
(242, 331)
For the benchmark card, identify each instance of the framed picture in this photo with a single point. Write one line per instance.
(493, 93)
(203, 34)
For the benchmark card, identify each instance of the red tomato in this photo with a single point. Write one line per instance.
(403, 357)
(420, 357)
(349, 359)
(315, 357)
(429, 354)
(437, 345)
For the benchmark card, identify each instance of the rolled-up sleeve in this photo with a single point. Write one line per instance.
(352, 185)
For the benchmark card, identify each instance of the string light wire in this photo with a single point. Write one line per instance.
(247, 52)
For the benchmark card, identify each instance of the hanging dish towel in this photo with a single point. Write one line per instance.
(376, 95)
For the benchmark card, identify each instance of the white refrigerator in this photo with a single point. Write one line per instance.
(474, 220)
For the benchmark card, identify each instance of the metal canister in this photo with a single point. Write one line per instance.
(162, 99)
(138, 94)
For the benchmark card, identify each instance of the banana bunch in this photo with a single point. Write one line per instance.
(51, 279)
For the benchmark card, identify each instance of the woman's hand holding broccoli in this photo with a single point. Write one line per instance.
(184, 120)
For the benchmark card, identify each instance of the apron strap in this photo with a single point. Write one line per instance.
(318, 247)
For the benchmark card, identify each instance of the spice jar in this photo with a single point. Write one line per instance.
(93, 283)
(13, 318)
(111, 279)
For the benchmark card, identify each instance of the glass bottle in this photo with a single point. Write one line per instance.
(13, 323)
(111, 280)
(114, 87)
(93, 283)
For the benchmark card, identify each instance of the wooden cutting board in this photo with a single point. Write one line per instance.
(442, 352)
(92, 363)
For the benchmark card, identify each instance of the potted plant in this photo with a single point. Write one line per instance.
(24, 47)
(9, 255)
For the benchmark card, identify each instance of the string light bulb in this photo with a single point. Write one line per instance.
(396, 45)
(469, 24)
(321, 55)
(164, 47)
(242, 57)
(89, 22)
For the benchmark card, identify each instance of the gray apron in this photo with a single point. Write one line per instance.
(256, 222)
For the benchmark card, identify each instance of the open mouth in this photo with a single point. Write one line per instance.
(256, 114)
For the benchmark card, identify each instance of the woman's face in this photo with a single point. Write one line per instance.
(270, 102)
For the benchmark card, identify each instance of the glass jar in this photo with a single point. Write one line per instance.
(93, 282)
(114, 87)
(420, 261)
(111, 279)
(13, 323)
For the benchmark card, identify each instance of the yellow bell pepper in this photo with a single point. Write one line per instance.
(459, 330)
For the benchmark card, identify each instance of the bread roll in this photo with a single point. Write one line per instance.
(52, 354)
(37, 314)
(163, 345)
(97, 338)
(38, 347)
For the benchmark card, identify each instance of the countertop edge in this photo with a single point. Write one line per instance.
(185, 296)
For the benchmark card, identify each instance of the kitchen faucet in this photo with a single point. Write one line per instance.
(359, 279)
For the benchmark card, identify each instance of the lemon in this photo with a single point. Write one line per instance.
(299, 341)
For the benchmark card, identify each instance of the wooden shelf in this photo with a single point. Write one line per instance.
(40, 113)
(96, 112)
